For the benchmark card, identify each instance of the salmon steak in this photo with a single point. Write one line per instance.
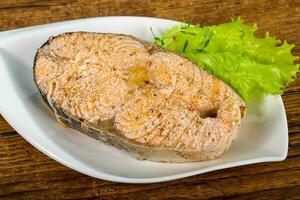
(138, 97)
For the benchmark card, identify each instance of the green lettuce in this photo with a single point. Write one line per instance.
(250, 65)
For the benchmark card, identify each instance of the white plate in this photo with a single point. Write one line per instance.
(263, 135)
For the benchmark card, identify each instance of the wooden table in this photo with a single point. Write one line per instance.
(27, 173)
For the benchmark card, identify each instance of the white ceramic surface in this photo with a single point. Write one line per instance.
(263, 135)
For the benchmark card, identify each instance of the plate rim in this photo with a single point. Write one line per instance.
(120, 179)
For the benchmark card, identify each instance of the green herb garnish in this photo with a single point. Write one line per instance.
(232, 52)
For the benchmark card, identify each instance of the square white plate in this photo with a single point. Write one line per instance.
(263, 135)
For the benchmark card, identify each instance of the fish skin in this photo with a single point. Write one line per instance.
(175, 113)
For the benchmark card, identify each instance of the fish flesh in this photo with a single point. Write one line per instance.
(130, 93)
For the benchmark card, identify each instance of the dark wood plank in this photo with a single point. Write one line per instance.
(274, 194)
(292, 107)
(279, 17)
(5, 127)
(25, 173)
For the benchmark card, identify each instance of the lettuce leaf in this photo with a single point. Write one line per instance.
(231, 52)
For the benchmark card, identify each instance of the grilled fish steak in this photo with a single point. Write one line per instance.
(136, 96)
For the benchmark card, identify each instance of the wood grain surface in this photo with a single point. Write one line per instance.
(25, 173)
